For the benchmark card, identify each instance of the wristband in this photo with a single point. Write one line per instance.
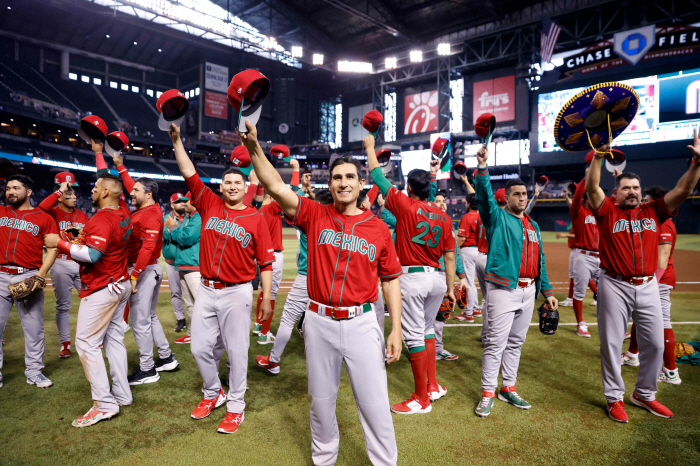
(695, 161)
(260, 191)
(433, 177)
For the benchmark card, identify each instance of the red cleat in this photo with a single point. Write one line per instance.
(412, 406)
(654, 407)
(616, 411)
(264, 362)
(477, 312)
(183, 340)
(205, 406)
(65, 350)
(230, 423)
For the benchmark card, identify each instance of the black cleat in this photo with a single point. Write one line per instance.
(139, 377)
(181, 325)
(167, 364)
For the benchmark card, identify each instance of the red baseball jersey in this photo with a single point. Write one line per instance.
(108, 232)
(629, 237)
(468, 228)
(531, 250)
(147, 225)
(22, 236)
(481, 243)
(63, 219)
(571, 241)
(232, 240)
(667, 235)
(423, 231)
(583, 221)
(346, 254)
(272, 213)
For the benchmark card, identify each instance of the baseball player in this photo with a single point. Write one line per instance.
(146, 275)
(348, 248)
(233, 237)
(586, 260)
(65, 274)
(23, 229)
(105, 290)
(667, 242)
(423, 235)
(466, 241)
(272, 213)
(627, 286)
(515, 274)
(177, 203)
(296, 303)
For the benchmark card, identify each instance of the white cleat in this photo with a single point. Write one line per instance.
(630, 359)
(436, 394)
(568, 302)
(670, 376)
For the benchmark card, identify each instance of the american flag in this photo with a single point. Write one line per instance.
(550, 35)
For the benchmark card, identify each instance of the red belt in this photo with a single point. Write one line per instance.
(13, 269)
(630, 280)
(217, 285)
(339, 313)
(525, 282)
(589, 253)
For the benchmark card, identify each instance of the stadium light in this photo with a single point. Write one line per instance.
(443, 49)
(317, 59)
(270, 43)
(390, 63)
(136, 43)
(297, 51)
(416, 56)
(73, 76)
(354, 66)
(107, 36)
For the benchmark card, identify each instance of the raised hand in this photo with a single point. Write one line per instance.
(482, 156)
(368, 142)
(174, 133)
(434, 166)
(97, 146)
(695, 148)
(118, 159)
(249, 139)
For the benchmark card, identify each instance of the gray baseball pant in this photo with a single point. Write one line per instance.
(277, 270)
(421, 296)
(189, 283)
(65, 275)
(665, 297)
(294, 307)
(439, 345)
(480, 268)
(585, 268)
(619, 301)
(359, 344)
(468, 256)
(144, 320)
(379, 308)
(175, 291)
(101, 321)
(223, 314)
(509, 316)
(572, 254)
(31, 314)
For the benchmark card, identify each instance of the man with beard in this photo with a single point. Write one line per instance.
(629, 278)
(105, 290)
(177, 203)
(143, 256)
(23, 229)
(65, 274)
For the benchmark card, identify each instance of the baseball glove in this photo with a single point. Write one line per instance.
(549, 320)
(24, 289)
(445, 311)
(461, 295)
(684, 349)
(73, 235)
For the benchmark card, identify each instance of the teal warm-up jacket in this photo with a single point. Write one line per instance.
(504, 232)
(169, 248)
(186, 237)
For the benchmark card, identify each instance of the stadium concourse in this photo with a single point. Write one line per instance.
(349, 233)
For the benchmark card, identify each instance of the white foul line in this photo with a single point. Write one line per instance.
(535, 324)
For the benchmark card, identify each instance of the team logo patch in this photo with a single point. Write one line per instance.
(637, 225)
(231, 229)
(21, 225)
(348, 242)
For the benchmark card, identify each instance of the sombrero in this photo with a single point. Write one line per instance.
(595, 116)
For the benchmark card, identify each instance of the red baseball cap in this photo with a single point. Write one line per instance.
(384, 157)
(172, 106)
(460, 169)
(542, 180)
(188, 196)
(92, 127)
(439, 148)
(372, 120)
(241, 159)
(179, 197)
(500, 196)
(246, 94)
(116, 141)
(281, 151)
(485, 123)
(65, 176)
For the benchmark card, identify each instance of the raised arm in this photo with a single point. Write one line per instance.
(183, 161)
(470, 188)
(684, 188)
(577, 201)
(48, 204)
(294, 184)
(485, 201)
(566, 194)
(434, 167)
(269, 178)
(124, 173)
(596, 196)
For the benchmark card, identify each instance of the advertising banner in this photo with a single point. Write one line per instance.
(215, 105)
(495, 96)
(355, 130)
(421, 112)
(215, 77)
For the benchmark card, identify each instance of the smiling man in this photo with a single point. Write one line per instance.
(348, 249)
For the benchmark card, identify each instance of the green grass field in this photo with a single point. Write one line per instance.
(559, 375)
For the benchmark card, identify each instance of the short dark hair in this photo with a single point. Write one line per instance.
(232, 171)
(419, 182)
(27, 182)
(511, 183)
(656, 192)
(626, 176)
(441, 193)
(471, 199)
(324, 197)
(108, 176)
(361, 197)
(345, 158)
(149, 185)
(306, 171)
